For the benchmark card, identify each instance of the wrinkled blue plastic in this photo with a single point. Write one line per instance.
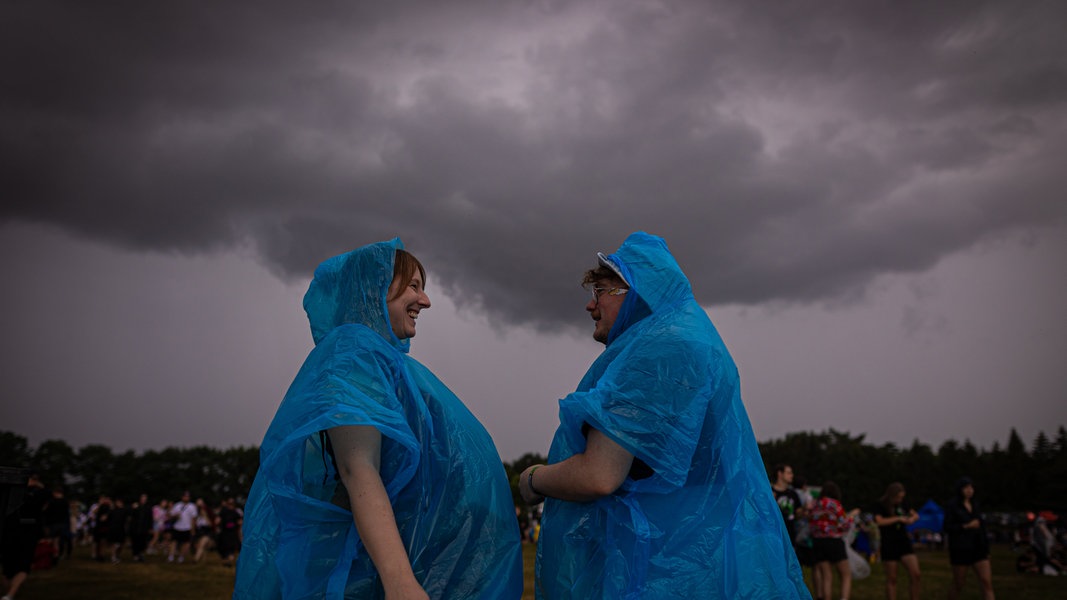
(705, 525)
(442, 473)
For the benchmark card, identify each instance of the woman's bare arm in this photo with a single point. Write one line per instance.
(357, 450)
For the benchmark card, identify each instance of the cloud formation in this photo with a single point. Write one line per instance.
(789, 152)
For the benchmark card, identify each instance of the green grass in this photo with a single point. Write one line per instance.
(85, 579)
(937, 578)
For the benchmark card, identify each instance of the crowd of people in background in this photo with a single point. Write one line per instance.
(181, 530)
(834, 542)
(47, 526)
(827, 538)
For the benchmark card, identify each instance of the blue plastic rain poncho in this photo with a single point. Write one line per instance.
(705, 523)
(442, 473)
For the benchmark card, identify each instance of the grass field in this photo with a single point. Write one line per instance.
(85, 579)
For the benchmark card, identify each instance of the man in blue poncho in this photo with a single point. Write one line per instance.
(655, 487)
(374, 479)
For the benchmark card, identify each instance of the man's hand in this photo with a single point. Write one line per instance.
(528, 495)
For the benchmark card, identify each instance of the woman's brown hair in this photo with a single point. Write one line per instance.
(404, 265)
(891, 493)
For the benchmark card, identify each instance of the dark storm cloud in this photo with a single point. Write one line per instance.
(788, 151)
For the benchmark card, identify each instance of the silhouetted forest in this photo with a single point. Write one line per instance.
(93, 470)
(1009, 478)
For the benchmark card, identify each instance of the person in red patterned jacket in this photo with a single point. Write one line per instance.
(829, 523)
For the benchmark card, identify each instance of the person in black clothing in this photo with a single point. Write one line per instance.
(787, 498)
(893, 517)
(57, 524)
(23, 528)
(116, 531)
(100, 515)
(228, 523)
(793, 512)
(140, 527)
(968, 545)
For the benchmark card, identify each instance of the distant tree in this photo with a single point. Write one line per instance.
(1060, 445)
(1056, 495)
(918, 464)
(14, 450)
(524, 461)
(54, 459)
(126, 478)
(1050, 476)
(92, 472)
(1009, 479)
(238, 469)
(167, 481)
(950, 465)
(203, 470)
(1016, 448)
(806, 452)
(1043, 451)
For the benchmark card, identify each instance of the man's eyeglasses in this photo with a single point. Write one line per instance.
(614, 291)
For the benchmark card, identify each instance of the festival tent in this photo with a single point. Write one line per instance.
(931, 517)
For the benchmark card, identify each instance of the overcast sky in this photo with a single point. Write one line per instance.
(870, 199)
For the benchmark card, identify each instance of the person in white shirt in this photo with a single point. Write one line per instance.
(184, 516)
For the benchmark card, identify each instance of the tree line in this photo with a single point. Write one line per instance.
(94, 469)
(1012, 478)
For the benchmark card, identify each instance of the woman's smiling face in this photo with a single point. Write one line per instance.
(404, 305)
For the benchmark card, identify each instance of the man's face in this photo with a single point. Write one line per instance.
(605, 308)
(786, 476)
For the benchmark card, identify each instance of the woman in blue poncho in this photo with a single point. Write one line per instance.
(374, 480)
(655, 487)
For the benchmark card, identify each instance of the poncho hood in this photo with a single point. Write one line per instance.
(655, 279)
(651, 271)
(351, 288)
